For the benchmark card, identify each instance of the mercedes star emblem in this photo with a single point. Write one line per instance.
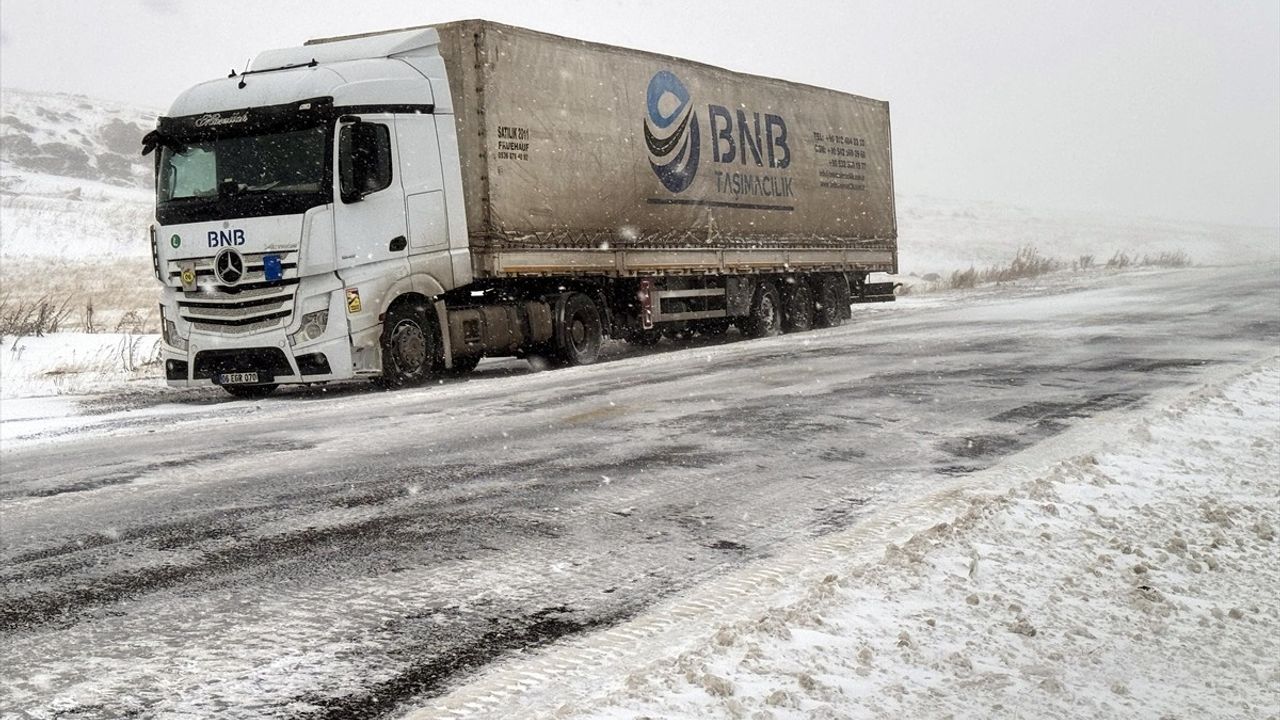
(228, 266)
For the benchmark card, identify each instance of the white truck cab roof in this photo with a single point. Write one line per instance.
(398, 68)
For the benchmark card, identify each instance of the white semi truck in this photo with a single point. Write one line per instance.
(397, 205)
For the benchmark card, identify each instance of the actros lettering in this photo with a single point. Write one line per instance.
(215, 119)
(748, 141)
(226, 238)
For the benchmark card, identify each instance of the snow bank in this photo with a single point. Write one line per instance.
(1136, 581)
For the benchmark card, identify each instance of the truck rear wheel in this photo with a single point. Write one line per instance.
(831, 295)
(409, 346)
(799, 308)
(580, 331)
(765, 318)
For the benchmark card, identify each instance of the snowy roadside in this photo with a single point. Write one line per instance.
(1138, 580)
(74, 363)
(43, 380)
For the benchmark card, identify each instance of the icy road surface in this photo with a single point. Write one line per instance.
(334, 556)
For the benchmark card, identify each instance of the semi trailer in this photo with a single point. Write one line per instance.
(398, 205)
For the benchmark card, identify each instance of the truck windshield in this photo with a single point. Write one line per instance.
(271, 173)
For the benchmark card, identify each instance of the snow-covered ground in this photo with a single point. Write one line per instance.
(73, 363)
(1133, 578)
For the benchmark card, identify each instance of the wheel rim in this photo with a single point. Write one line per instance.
(409, 344)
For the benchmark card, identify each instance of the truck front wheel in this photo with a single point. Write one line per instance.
(765, 319)
(409, 346)
(580, 331)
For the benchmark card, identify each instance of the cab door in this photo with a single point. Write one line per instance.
(370, 231)
(424, 199)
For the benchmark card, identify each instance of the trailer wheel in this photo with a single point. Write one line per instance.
(580, 331)
(765, 318)
(250, 392)
(799, 308)
(830, 296)
(409, 346)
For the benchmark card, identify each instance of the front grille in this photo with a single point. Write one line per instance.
(248, 329)
(251, 305)
(268, 361)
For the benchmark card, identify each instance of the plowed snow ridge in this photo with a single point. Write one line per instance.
(1136, 580)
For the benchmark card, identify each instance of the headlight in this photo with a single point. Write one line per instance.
(169, 329)
(313, 325)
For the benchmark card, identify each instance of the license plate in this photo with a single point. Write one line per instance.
(237, 378)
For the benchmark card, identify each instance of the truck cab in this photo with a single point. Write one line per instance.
(296, 202)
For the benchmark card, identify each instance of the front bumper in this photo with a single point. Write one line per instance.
(268, 354)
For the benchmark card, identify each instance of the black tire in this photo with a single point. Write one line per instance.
(765, 318)
(831, 295)
(463, 365)
(250, 392)
(579, 331)
(410, 346)
(798, 308)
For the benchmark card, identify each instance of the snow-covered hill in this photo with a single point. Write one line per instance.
(73, 185)
(75, 136)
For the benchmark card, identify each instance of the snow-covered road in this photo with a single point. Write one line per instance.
(336, 555)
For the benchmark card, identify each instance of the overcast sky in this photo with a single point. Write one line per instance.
(1168, 109)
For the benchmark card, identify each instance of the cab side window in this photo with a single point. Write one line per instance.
(367, 146)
